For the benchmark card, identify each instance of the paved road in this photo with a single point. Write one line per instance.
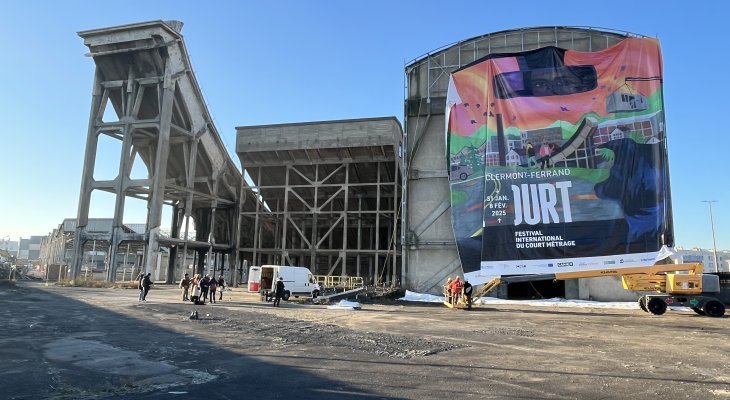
(70, 343)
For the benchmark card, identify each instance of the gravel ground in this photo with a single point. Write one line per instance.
(310, 328)
(76, 343)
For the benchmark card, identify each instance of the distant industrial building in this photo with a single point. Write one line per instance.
(56, 249)
(29, 250)
(706, 257)
(10, 246)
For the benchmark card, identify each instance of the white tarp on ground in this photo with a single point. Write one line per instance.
(345, 305)
(554, 302)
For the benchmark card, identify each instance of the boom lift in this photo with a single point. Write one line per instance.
(691, 288)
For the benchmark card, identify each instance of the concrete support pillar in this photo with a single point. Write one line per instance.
(122, 179)
(394, 231)
(192, 151)
(234, 256)
(377, 230)
(175, 232)
(87, 178)
(314, 237)
(126, 254)
(160, 171)
(359, 235)
(572, 289)
(200, 268)
(345, 211)
(284, 218)
(256, 228)
(185, 246)
(211, 229)
(211, 240)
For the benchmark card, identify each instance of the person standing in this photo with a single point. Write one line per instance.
(212, 287)
(146, 285)
(185, 287)
(456, 287)
(221, 286)
(204, 286)
(140, 279)
(468, 289)
(531, 155)
(278, 291)
(545, 152)
(195, 288)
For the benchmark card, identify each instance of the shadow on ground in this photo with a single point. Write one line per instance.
(56, 347)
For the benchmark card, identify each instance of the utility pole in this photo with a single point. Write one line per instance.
(712, 225)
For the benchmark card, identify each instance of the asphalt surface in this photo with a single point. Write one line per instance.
(80, 343)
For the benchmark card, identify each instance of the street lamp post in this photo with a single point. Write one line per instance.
(712, 226)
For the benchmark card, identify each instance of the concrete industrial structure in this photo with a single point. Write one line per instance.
(429, 250)
(350, 197)
(330, 196)
(29, 250)
(144, 74)
(56, 252)
(329, 199)
(10, 246)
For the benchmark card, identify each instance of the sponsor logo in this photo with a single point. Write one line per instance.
(521, 266)
(583, 264)
(609, 271)
(565, 264)
(647, 259)
(621, 261)
(487, 266)
(609, 262)
(550, 265)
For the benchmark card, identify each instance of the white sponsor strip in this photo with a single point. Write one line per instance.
(550, 266)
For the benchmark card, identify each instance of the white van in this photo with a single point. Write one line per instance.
(298, 281)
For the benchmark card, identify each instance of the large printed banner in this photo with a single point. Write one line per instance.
(557, 160)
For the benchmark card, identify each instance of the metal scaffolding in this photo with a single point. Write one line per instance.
(329, 197)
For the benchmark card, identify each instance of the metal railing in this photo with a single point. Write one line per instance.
(340, 282)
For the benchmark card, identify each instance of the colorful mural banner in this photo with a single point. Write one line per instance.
(558, 160)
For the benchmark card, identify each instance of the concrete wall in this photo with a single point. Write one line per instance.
(429, 237)
(607, 288)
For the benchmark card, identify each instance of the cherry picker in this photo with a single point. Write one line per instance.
(673, 285)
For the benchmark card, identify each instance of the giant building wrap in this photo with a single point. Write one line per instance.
(557, 160)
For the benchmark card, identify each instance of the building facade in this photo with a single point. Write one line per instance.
(706, 257)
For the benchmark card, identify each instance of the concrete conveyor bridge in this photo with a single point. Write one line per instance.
(144, 75)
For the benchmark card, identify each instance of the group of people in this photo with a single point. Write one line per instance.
(456, 288)
(202, 288)
(545, 152)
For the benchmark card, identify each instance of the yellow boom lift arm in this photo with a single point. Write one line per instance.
(689, 288)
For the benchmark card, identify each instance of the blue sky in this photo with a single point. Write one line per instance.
(293, 61)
